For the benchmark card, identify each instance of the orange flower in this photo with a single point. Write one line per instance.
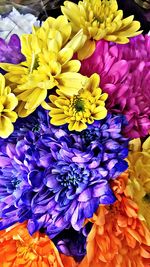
(68, 261)
(118, 238)
(19, 249)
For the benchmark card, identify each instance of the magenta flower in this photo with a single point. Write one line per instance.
(125, 75)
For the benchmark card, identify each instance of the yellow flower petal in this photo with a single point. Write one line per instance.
(11, 102)
(22, 111)
(2, 85)
(8, 103)
(87, 50)
(59, 120)
(60, 24)
(12, 115)
(77, 41)
(35, 99)
(65, 55)
(70, 83)
(93, 82)
(146, 145)
(71, 66)
(45, 105)
(72, 12)
(6, 127)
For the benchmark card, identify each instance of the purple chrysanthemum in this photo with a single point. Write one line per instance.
(125, 75)
(56, 179)
(73, 243)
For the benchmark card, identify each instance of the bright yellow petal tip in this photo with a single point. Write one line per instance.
(79, 109)
(8, 103)
(100, 19)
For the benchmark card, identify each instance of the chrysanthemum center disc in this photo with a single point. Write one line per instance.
(15, 183)
(98, 20)
(79, 105)
(90, 135)
(36, 128)
(73, 177)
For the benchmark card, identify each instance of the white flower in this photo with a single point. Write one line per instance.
(16, 23)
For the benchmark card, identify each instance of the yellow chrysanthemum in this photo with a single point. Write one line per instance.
(99, 19)
(139, 172)
(48, 64)
(80, 109)
(8, 102)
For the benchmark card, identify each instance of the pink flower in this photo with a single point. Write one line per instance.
(136, 51)
(125, 75)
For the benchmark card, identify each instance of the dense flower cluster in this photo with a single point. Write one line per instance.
(74, 184)
(56, 179)
(48, 64)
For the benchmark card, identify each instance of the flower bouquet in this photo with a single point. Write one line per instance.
(74, 138)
